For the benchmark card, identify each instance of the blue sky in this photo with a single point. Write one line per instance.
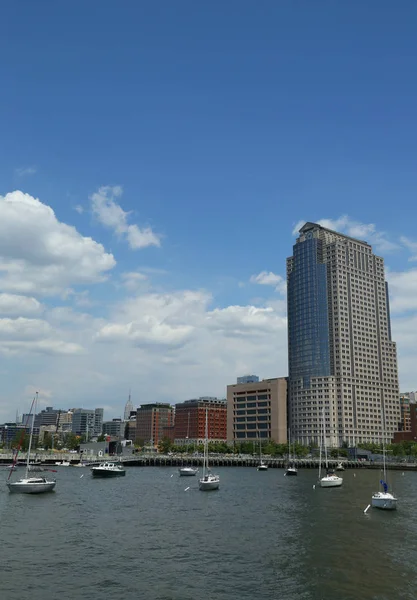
(224, 124)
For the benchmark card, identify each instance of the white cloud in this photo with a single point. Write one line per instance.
(402, 290)
(411, 246)
(24, 171)
(110, 214)
(363, 231)
(33, 335)
(79, 209)
(39, 254)
(15, 305)
(133, 280)
(270, 278)
(297, 227)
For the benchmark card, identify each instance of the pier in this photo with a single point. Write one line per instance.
(162, 460)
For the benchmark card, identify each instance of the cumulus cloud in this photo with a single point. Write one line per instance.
(41, 255)
(110, 214)
(363, 231)
(33, 335)
(270, 278)
(411, 246)
(15, 305)
(403, 290)
(133, 280)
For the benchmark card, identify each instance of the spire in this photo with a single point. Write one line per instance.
(128, 407)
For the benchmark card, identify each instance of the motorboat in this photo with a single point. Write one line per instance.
(340, 467)
(108, 469)
(291, 471)
(187, 471)
(262, 466)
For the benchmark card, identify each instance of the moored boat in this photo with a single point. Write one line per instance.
(107, 470)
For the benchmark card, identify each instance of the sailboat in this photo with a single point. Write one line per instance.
(187, 471)
(384, 500)
(31, 485)
(262, 466)
(330, 479)
(291, 469)
(208, 481)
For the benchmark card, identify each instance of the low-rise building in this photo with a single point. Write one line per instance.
(257, 411)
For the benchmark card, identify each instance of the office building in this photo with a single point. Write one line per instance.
(87, 422)
(151, 420)
(407, 400)
(257, 411)
(114, 428)
(190, 420)
(341, 354)
(409, 434)
(130, 430)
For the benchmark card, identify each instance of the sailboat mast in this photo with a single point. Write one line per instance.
(325, 445)
(383, 443)
(205, 463)
(31, 434)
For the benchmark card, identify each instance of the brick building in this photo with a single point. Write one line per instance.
(190, 420)
(151, 419)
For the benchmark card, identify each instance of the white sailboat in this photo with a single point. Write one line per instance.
(262, 466)
(187, 471)
(330, 479)
(291, 470)
(31, 485)
(208, 481)
(384, 499)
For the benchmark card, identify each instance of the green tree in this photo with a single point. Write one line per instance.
(101, 438)
(47, 440)
(164, 445)
(72, 441)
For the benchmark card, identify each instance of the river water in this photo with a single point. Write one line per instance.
(261, 536)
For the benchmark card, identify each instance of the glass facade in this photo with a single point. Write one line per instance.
(308, 314)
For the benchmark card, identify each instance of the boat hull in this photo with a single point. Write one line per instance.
(329, 482)
(384, 501)
(31, 487)
(103, 474)
(263, 468)
(208, 486)
(291, 472)
(187, 472)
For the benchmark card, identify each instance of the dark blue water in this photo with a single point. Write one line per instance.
(261, 536)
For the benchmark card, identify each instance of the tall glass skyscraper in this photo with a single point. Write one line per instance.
(341, 356)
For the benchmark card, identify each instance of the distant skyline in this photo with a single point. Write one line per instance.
(155, 165)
